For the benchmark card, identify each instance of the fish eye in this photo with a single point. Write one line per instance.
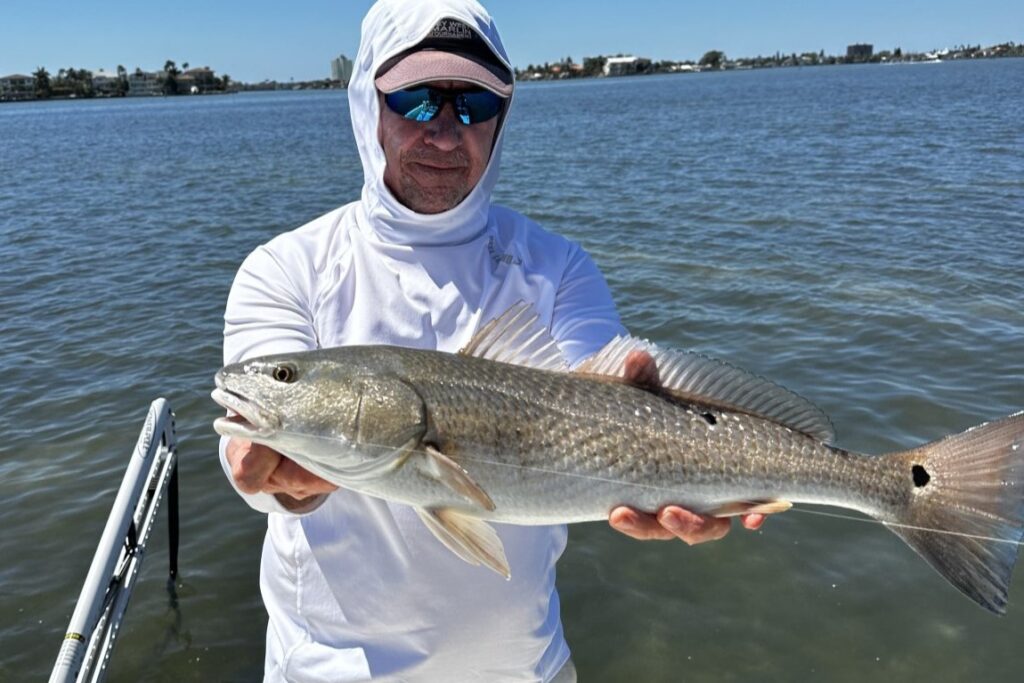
(284, 372)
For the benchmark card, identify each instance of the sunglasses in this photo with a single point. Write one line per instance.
(474, 105)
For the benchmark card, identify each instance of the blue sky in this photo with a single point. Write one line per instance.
(259, 39)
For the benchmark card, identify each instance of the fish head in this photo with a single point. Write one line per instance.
(331, 411)
(293, 404)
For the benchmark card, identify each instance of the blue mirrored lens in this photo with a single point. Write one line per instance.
(412, 104)
(423, 104)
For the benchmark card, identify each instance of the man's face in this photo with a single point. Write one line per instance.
(433, 165)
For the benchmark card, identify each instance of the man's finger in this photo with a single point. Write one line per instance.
(642, 527)
(299, 483)
(690, 527)
(641, 370)
(753, 522)
(251, 464)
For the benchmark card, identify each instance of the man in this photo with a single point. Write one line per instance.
(355, 587)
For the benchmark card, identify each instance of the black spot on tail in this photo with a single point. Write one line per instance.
(921, 476)
(709, 418)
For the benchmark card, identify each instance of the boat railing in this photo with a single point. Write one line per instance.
(152, 471)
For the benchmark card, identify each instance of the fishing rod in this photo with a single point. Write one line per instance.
(152, 471)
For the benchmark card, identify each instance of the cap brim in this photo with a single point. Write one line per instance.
(436, 65)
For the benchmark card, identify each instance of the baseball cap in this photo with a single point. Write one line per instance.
(452, 51)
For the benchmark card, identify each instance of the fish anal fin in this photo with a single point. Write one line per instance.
(750, 507)
(472, 539)
(443, 469)
(694, 378)
(518, 337)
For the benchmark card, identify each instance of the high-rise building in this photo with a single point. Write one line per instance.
(341, 70)
(860, 52)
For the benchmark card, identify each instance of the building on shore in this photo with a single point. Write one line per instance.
(17, 87)
(105, 83)
(199, 81)
(185, 84)
(859, 52)
(624, 66)
(341, 70)
(142, 83)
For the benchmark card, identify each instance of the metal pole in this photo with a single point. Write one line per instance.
(172, 522)
(157, 436)
(94, 668)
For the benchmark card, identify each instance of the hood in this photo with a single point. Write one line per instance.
(390, 27)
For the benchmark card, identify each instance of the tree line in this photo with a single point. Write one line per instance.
(717, 59)
(79, 83)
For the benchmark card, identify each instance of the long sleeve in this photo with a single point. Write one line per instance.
(584, 318)
(268, 311)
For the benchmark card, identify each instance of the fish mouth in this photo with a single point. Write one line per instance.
(246, 418)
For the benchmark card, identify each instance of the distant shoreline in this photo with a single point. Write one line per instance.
(297, 87)
(593, 67)
(715, 60)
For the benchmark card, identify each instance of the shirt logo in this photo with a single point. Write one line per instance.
(497, 258)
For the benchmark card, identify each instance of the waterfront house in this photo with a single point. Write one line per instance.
(186, 84)
(198, 81)
(105, 83)
(623, 66)
(17, 87)
(145, 83)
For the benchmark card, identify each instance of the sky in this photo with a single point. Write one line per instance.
(255, 40)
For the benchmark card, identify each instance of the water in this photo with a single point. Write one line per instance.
(852, 232)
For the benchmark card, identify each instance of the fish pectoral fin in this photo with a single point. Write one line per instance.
(443, 469)
(387, 462)
(750, 507)
(472, 539)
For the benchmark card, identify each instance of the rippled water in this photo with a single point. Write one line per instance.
(852, 232)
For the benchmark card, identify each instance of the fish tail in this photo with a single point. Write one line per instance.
(970, 488)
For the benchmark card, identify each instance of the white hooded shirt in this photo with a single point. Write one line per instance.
(357, 588)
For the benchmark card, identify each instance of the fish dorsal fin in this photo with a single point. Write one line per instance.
(517, 337)
(694, 377)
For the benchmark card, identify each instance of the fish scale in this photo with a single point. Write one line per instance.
(501, 422)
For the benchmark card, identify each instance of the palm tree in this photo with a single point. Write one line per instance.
(84, 83)
(122, 80)
(170, 78)
(42, 83)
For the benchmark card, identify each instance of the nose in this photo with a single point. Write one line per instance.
(444, 131)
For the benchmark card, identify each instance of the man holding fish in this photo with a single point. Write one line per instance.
(358, 588)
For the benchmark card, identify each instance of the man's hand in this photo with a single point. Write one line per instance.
(671, 521)
(675, 522)
(257, 468)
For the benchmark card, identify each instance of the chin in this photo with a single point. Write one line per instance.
(437, 201)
